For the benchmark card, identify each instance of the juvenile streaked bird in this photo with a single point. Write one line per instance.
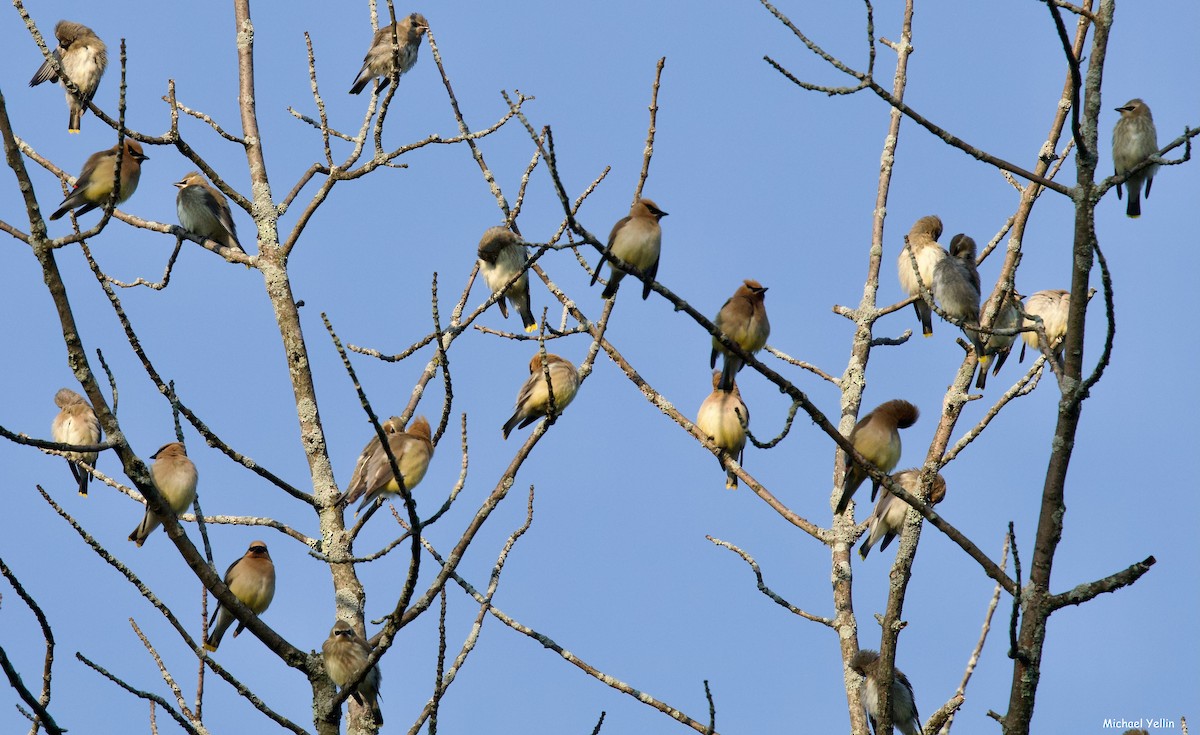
(76, 423)
(412, 448)
(502, 255)
(175, 477)
(743, 318)
(637, 241)
(1052, 306)
(723, 417)
(202, 209)
(921, 245)
(903, 701)
(345, 654)
(998, 345)
(1134, 140)
(876, 436)
(887, 519)
(956, 287)
(379, 58)
(533, 400)
(251, 579)
(95, 183)
(83, 57)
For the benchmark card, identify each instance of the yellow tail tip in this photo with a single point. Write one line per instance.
(983, 359)
(82, 494)
(73, 132)
(209, 647)
(531, 330)
(927, 335)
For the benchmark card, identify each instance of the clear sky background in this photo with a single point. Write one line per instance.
(761, 180)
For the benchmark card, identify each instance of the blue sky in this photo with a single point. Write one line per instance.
(761, 180)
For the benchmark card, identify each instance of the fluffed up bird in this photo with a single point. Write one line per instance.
(95, 183)
(956, 287)
(723, 417)
(502, 255)
(533, 400)
(373, 476)
(76, 423)
(1052, 306)
(345, 654)
(637, 241)
(876, 436)
(888, 517)
(83, 57)
(903, 701)
(251, 579)
(378, 61)
(175, 477)
(998, 344)
(202, 209)
(743, 318)
(921, 245)
(1134, 140)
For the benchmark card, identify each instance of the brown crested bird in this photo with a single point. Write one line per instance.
(1052, 307)
(95, 183)
(251, 579)
(533, 400)
(1134, 140)
(956, 287)
(888, 517)
(175, 477)
(345, 654)
(83, 57)
(202, 209)
(876, 436)
(373, 476)
(502, 257)
(723, 417)
(635, 240)
(379, 59)
(76, 423)
(997, 344)
(921, 245)
(903, 701)
(743, 318)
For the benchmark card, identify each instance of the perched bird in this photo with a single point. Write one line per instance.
(1052, 306)
(956, 286)
(637, 241)
(903, 701)
(77, 424)
(203, 210)
(345, 654)
(251, 579)
(723, 417)
(888, 517)
(743, 318)
(502, 255)
(921, 245)
(999, 345)
(378, 61)
(175, 477)
(83, 56)
(1134, 140)
(373, 476)
(95, 183)
(876, 436)
(533, 400)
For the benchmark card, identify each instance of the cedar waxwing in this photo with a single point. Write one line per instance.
(83, 56)
(77, 424)
(719, 419)
(251, 579)
(202, 209)
(1052, 306)
(1134, 140)
(922, 242)
(378, 61)
(956, 287)
(876, 436)
(175, 477)
(999, 345)
(743, 318)
(903, 701)
(95, 182)
(533, 400)
(345, 654)
(636, 240)
(888, 517)
(373, 476)
(501, 256)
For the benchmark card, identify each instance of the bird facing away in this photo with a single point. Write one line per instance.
(175, 477)
(533, 400)
(876, 436)
(95, 183)
(904, 706)
(887, 519)
(922, 245)
(1052, 306)
(637, 241)
(202, 209)
(345, 654)
(76, 423)
(1134, 140)
(723, 417)
(999, 345)
(378, 61)
(251, 579)
(502, 255)
(743, 319)
(373, 476)
(83, 57)
(956, 286)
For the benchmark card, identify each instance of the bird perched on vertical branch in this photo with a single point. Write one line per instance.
(903, 702)
(175, 477)
(876, 437)
(373, 476)
(956, 287)
(533, 400)
(502, 256)
(887, 519)
(997, 344)
(345, 654)
(251, 579)
(379, 59)
(95, 183)
(76, 423)
(83, 57)
(637, 241)
(1052, 306)
(921, 245)
(743, 318)
(723, 417)
(1134, 140)
(202, 209)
